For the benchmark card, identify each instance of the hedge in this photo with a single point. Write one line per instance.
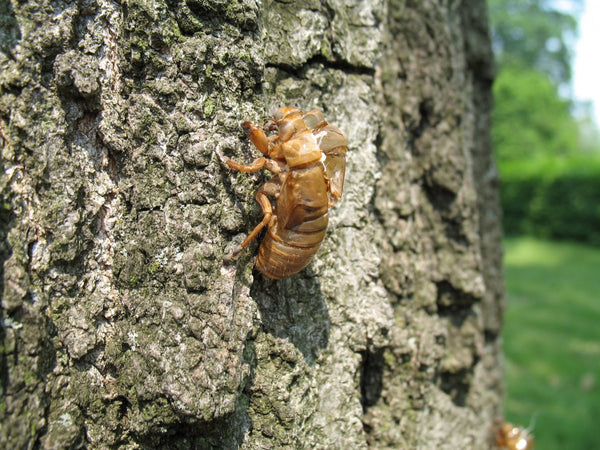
(553, 199)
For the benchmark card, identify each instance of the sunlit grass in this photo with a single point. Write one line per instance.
(552, 341)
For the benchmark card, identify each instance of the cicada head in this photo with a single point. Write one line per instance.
(283, 113)
(289, 124)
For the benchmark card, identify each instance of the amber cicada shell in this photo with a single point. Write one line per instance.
(513, 437)
(307, 156)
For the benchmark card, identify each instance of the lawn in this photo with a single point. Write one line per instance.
(552, 341)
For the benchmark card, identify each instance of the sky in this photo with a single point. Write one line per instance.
(586, 76)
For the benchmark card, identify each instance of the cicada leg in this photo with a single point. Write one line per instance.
(269, 188)
(258, 137)
(254, 166)
(332, 198)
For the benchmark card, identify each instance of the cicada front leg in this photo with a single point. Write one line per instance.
(258, 137)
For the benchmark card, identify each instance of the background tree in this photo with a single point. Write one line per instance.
(122, 324)
(531, 121)
(533, 45)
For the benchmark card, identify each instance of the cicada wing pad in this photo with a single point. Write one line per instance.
(334, 146)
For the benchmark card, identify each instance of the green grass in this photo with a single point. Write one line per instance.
(552, 341)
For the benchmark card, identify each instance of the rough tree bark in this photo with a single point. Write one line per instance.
(122, 325)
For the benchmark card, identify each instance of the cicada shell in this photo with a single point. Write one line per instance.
(513, 437)
(308, 157)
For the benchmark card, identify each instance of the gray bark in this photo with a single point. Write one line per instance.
(122, 324)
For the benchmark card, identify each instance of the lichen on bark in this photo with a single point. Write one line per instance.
(124, 325)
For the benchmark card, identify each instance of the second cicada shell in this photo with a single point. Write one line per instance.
(513, 437)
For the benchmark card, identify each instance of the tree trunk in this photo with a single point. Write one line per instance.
(123, 324)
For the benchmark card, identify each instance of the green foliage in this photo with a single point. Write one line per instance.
(532, 45)
(553, 198)
(552, 342)
(545, 155)
(531, 33)
(530, 119)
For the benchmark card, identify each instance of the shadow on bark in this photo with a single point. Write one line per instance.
(225, 432)
(294, 309)
(371, 380)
